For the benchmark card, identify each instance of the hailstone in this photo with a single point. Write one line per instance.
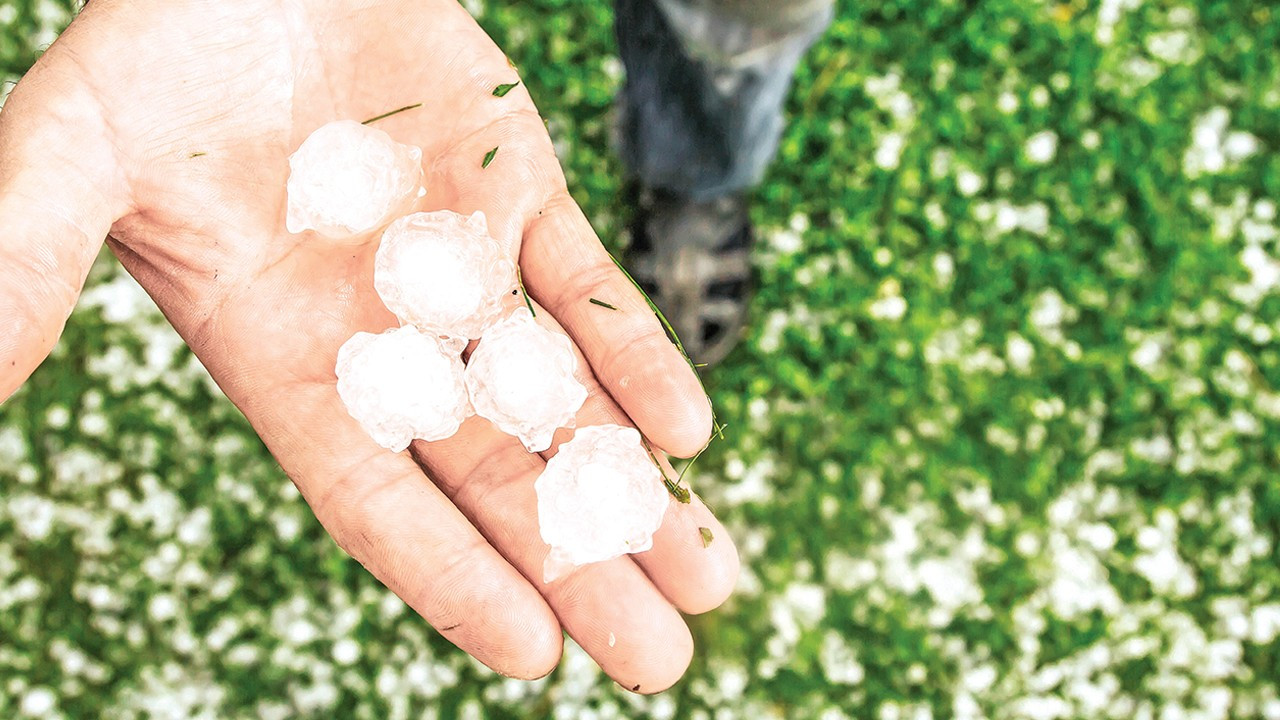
(443, 273)
(520, 377)
(347, 179)
(599, 497)
(403, 385)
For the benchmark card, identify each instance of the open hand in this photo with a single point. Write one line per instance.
(168, 125)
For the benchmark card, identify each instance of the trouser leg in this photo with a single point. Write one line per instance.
(701, 109)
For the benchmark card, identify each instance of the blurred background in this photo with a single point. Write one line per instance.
(1004, 435)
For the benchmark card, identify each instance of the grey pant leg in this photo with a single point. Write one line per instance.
(701, 109)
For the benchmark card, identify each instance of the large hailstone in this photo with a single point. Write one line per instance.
(401, 385)
(442, 272)
(521, 378)
(347, 179)
(600, 497)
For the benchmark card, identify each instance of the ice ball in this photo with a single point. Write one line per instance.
(600, 497)
(347, 179)
(442, 272)
(401, 385)
(521, 378)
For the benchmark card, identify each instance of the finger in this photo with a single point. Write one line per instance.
(522, 191)
(379, 506)
(58, 198)
(391, 518)
(565, 266)
(693, 560)
(696, 574)
(383, 511)
(610, 608)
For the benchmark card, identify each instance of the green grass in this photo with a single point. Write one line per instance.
(1041, 483)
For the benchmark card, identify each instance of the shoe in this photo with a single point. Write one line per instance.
(694, 260)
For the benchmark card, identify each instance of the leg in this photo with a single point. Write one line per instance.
(700, 119)
(701, 110)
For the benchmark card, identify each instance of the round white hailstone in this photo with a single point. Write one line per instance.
(401, 385)
(443, 273)
(599, 497)
(346, 651)
(38, 702)
(347, 178)
(1041, 147)
(521, 378)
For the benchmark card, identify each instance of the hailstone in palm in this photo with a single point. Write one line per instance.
(403, 385)
(347, 179)
(600, 497)
(443, 273)
(521, 378)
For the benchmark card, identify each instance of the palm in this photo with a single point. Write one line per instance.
(180, 150)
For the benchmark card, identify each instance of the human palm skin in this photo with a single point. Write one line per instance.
(166, 127)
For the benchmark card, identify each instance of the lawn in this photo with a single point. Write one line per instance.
(1004, 434)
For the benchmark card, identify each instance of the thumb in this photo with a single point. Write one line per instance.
(57, 174)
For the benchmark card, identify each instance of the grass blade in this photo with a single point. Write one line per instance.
(385, 115)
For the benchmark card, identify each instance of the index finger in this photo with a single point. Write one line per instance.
(565, 267)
